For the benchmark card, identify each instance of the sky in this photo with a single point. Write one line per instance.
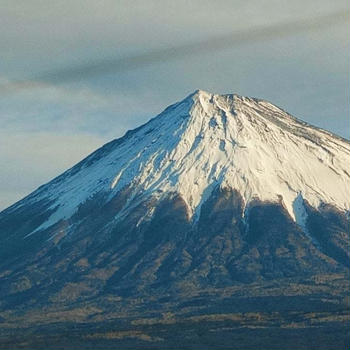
(76, 100)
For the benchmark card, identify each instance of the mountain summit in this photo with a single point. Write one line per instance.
(217, 200)
(203, 142)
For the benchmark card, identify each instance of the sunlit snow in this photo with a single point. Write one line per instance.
(210, 140)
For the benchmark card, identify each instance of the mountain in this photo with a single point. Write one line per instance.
(222, 214)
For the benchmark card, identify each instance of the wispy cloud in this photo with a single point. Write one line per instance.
(241, 37)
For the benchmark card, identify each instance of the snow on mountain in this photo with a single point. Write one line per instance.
(208, 140)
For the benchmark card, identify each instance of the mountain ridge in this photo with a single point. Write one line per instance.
(183, 128)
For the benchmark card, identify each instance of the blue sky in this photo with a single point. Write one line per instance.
(45, 130)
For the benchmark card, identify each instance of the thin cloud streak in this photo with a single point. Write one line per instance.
(116, 65)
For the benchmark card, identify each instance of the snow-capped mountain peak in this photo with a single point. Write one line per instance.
(210, 140)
